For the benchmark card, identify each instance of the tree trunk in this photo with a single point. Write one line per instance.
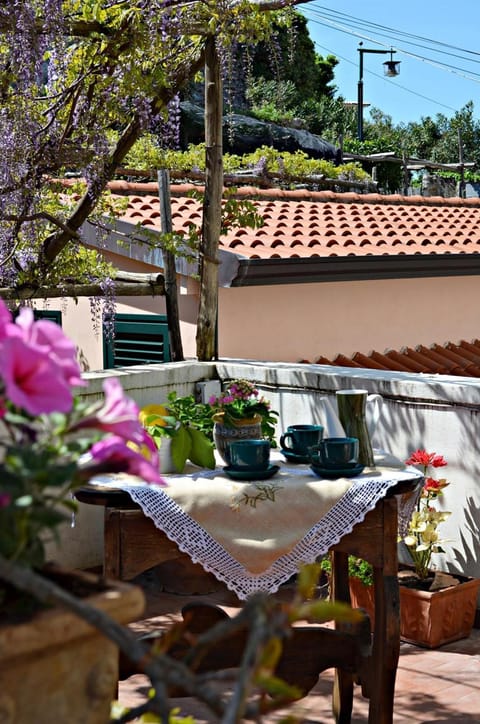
(212, 208)
(171, 293)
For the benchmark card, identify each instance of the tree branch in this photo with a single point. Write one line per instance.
(55, 243)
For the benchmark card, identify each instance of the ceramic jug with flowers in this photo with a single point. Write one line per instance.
(240, 412)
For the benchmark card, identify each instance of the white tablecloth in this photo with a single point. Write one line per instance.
(253, 536)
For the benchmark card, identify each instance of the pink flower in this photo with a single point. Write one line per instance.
(31, 378)
(119, 414)
(5, 499)
(48, 336)
(118, 457)
(5, 318)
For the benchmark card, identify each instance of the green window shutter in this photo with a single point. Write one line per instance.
(138, 339)
(52, 314)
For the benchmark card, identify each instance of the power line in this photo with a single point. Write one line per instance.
(353, 26)
(462, 72)
(370, 24)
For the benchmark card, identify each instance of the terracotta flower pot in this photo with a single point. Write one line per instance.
(362, 596)
(55, 667)
(435, 618)
(427, 618)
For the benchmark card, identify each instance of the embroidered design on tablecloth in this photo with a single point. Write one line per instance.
(265, 493)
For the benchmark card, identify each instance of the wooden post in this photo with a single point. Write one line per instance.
(461, 185)
(171, 293)
(212, 207)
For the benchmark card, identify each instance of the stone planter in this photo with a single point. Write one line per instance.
(54, 667)
(427, 618)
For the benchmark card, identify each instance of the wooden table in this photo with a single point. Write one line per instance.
(133, 544)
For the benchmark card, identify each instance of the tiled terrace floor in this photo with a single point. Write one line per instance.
(433, 687)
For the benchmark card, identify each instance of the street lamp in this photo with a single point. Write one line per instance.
(391, 68)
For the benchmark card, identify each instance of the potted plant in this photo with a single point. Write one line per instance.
(240, 412)
(50, 443)
(360, 581)
(182, 430)
(435, 607)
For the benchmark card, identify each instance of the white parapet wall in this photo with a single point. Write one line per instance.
(438, 413)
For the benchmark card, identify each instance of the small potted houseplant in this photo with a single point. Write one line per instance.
(435, 607)
(51, 443)
(360, 581)
(182, 431)
(240, 412)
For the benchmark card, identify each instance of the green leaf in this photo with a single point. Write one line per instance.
(181, 448)
(201, 452)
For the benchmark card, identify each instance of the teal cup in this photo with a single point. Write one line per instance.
(299, 438)
(336, 453)
(249, 454)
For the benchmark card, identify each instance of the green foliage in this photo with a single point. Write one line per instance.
(118, 710)
(115, 67)
(389, 175)
(272, 101)
(187, 410)
(357, 568)
(289, 165)
(188, 423)
(289, 49)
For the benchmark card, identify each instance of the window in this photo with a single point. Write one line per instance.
(139, 339)
(51, 314)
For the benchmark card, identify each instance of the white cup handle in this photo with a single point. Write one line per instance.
(374, 410)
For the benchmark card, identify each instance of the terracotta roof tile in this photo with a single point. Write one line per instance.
(462, 359)
(325, 223)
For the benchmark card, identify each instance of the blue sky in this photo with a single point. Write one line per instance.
(437, 73)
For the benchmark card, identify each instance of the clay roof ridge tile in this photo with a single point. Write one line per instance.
(437, 355)
(368, 361)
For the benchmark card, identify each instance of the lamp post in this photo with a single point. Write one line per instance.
(391, 69)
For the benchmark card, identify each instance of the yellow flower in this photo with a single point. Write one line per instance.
(148, 412)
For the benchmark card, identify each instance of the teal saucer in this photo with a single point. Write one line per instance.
(330, 474)
(294, 457)
(251, 474)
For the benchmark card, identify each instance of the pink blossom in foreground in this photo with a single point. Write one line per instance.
(5, 318)
(5, 499)
(31, 378)
(119, 414)
(114, 452)
(49, 337)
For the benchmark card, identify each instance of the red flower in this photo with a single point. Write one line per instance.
(434, 487)
(425, 459)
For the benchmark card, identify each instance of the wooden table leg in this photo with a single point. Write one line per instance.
(342, 699)
(386, 639)
(112, 565)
